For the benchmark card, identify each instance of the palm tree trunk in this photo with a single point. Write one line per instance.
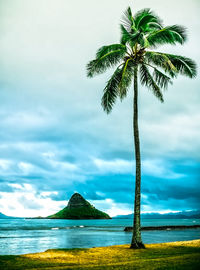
(136, 238)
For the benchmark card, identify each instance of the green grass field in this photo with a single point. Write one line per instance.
(176, 255)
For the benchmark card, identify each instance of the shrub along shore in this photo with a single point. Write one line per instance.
(175, 255)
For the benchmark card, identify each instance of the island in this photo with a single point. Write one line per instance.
(79, 208)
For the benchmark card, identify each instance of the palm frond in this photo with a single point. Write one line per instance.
(118, 85)
(183, 65)
(106, 57)
(155, 25)
(111, 90)
(126, 78)
(161, 60)
(147, 80)
(168, 35)
(128, 21)
(143, 41)
(127, 37)
(104, 50)
(173, 64)
(138, 33)
(145, 20)
(161, 79)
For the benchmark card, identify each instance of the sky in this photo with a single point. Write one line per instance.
(55, 138)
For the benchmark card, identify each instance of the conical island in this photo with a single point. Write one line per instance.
(79, 208)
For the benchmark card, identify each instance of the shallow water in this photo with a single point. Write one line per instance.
(21, 236)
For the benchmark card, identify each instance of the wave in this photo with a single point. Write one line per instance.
(38, 228)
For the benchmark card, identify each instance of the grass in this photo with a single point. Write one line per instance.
(176, 255)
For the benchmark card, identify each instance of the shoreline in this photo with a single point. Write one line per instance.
(173, 255)
(164, 228)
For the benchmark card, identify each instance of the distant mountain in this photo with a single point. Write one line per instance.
(2, 216)
(178, 215)
(79, 208)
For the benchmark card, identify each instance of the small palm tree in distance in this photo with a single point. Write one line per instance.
(136, 58)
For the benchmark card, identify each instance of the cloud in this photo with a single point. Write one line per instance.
(24, 201)
(159, 168)
(113, 166)
(181, 132)
(54, 135)
(111, 207)
(5, 164)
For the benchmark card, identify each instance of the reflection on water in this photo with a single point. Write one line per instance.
(28, 236)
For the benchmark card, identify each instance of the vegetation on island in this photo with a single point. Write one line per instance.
(79, 208)
(136, 59)
(177, 255)
(87, 212)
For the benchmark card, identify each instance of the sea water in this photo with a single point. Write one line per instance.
(21, 236)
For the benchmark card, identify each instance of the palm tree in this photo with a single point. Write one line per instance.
(134, 57)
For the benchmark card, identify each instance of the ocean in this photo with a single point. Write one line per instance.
(22, 236)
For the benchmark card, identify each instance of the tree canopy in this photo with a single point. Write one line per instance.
(140, 35)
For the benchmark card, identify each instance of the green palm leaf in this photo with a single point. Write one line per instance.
(147, 80)
(143, 41)
(128, 37)
(111, 90)
(145, 20)
(155, 25)
(128, 21)
(126, 78)
(161, 60)
(161, 79)
(168, 35)
(183, 65)
(104, 50)
(106, 57)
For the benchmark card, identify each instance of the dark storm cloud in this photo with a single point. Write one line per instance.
(171, 193)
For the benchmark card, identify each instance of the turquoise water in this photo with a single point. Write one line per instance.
(21, 236)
